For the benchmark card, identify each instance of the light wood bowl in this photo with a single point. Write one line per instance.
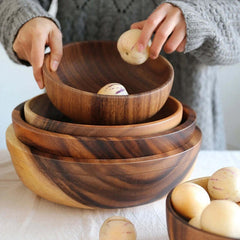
(178, 227)
(88, 66)
(103, 147)
(102, 183)
(40, 112)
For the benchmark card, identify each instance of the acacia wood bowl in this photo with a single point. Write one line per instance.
(103, 147)
(102, 183)
(178, 227)
(40, 112)
(88, 66)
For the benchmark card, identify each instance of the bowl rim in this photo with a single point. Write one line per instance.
(179, 218)
(189, 122)
(57, 81)
(194, 142)
(177, 113)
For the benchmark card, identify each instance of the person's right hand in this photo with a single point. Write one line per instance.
(31, 41)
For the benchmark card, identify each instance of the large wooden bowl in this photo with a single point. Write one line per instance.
(178, 227)
(40, 112)
(88, 66)
(102, 183)
(102, 147)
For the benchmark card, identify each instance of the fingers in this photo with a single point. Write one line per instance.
(181, 46)
(138, 25)
(177, 37)
(162, 34)
(30, 45)
(168, 26)
(55, 44)
(149, 27)
(37, 56)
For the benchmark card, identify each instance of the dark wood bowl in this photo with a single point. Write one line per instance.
(88, 66)
(102, 183)
(103, 147)
(178, 227)
(40, 112)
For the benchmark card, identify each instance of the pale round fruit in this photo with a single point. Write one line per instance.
(113, 89)
(128, 50)
(189, 199)
(225, 184)
(196, 221)
(117, 228)
(222, 217)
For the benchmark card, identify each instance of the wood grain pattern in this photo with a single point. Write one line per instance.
(102, 183)
(88, 66)
(40, 112)
(178, 227)
(102, 147)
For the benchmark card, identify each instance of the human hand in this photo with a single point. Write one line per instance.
(31, 41)
(168, 24)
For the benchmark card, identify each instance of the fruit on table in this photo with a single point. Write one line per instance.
(113, 89)
(128, 49)
(189, 199)
(222, 217)
(225, 184)
(117, 228)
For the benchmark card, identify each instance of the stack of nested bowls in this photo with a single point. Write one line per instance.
(79, 148)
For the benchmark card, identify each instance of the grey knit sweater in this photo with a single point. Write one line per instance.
(213, 33)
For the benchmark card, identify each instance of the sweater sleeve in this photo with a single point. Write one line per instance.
(15, 13)
(213, 30)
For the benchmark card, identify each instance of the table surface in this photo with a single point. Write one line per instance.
(25, 216)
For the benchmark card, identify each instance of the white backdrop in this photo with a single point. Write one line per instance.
(18, 85)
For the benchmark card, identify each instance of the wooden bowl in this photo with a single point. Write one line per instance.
(88, 66)
(102, 183)
(178, 227)
(40, 112)
(102, 147)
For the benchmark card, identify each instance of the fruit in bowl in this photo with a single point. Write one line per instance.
(218, 220)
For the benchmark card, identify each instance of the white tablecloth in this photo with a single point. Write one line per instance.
(25, 216)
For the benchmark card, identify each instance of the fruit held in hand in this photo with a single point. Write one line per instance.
(225, 184)
(117, 228)
(128, 49)
(222, 217)
(189, 199)
(113, 89)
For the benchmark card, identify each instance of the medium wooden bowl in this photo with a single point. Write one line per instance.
(88, 66)
(40, 112)
(178, 227)
(102, 183)
(102, 147)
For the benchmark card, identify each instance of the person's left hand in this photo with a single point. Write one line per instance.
(168, 25)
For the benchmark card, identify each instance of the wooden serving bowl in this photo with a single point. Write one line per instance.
(178, 227)
(88, 66)
(102, 183)
(103, 147)
(40, 112)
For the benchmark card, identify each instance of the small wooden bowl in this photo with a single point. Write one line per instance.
(102, 147)
(102, 183)
(178, 227)
(88, 66)
(40, 112)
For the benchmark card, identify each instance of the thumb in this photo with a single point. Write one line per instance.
(56, 46)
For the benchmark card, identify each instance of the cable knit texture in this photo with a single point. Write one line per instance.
(213, 33)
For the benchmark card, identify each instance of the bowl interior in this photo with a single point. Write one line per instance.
(40, 112)
(88, 66)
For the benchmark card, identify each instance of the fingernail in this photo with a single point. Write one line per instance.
(140, 47)
(40, 84)
(54, 65)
